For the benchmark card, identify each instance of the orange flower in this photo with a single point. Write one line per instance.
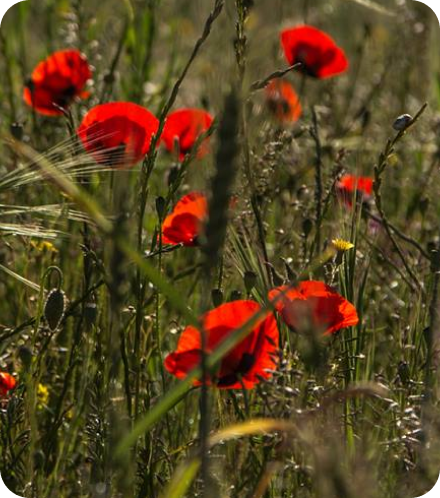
(7, 383)
(57, 81)
(118, 133)
(183, 128)
(314, 304)
(183, 225)
(315, 50)
(283, 101)
(248, 362)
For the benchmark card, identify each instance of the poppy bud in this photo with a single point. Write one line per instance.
(250, 279)
(17, 131)
(423, 205)
(160, 207)
(109, 78)
(402, 122)
(90, 313)
(217, 297)
(25, 355)
(235, 295)
(173, 175)
(307, 226)
(39, 459)
(403, 371)
(54, 308)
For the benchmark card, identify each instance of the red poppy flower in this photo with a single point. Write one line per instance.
(244, 365)
(314, 304)
(57, 81)
(183, 127)
(7, 383)
(283, 101)
(350, 186)
(315, 50)
(183, 225)
(118, 133)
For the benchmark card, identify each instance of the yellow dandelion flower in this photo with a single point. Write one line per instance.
(342, 245)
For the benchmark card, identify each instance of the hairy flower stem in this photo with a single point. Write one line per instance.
(379, 170)
(147, 169)
(240, 55)
(314, 132)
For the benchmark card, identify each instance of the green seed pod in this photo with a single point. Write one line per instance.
(160, 207)
(90, 313)
(25, 355)
(307, 227)
(217, 297)
(235, 295)
(17, 131)
(250, 279)
(54, 308)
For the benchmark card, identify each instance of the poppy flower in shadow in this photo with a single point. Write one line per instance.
(317, 52)
(247, 363)
(283, 101)
(182, 129)
(57, 81)
(118, 133)
(351, 187)
(184, 224)
(7, 383)
(314, 305)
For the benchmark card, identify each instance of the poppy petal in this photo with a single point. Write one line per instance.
(350, 186)
(183, 224)
(118, 133)
(283, 101)
(57, 81)
(314, 304)
(182, 129)
(319, 55)
(247, 363)
(7, 383)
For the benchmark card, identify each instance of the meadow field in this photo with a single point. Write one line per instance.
(219, 249)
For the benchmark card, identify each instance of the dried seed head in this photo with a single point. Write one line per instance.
(402, 122)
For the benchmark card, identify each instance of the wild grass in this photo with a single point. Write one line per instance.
(91, 316)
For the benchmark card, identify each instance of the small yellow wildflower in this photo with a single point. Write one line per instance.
(43, 246)
(342, 245)
(42, 395)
